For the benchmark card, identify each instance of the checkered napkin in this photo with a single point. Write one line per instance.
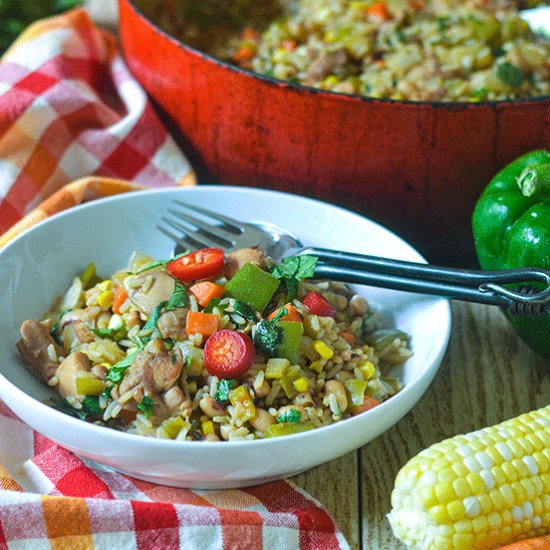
(69, 110)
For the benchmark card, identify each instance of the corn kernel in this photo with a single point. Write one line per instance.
(317, 366)
(323, 350)
(276, 368)
(208, 427)
(444, 492)
(456, 510)
(192, 387)
(301, 384)
(105, 299)
(367, 369)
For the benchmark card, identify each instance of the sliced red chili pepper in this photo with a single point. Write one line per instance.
(200, 264)
(229, 354)
(318, 305)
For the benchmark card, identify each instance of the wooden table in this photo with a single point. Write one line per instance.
(488, 375)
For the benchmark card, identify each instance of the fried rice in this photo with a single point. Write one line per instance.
(121, 354)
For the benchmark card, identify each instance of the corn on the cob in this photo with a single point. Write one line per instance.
(479, 490)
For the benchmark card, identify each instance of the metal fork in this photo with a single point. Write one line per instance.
(487, 287)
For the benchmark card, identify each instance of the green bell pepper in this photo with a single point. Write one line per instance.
(511, 226)
(252, 285)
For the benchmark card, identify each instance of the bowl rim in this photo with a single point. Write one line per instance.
(329, 94)
(310, 435)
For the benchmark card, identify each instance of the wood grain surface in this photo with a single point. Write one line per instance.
(488, 375)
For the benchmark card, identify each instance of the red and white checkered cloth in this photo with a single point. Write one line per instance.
(70, 110)
(49, 496)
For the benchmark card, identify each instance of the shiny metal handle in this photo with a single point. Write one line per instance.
(485, 287)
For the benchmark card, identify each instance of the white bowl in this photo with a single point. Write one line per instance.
(39, 265)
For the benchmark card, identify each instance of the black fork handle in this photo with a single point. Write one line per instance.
(485, 287)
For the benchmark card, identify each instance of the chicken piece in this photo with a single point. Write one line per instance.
(67, 373)
(325, 65)
(235, 260)
(172, 324)
(148, 289)
(154, 370)
(38, 348)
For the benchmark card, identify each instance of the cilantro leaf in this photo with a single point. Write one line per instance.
(90, 407)
(510, 74)
(214, 302)
(91, 404)
(116, 372)
(267, 336)
(146, 331)
(116, 333)
(293, 270)
(223, 389)
(146, 406)
(178, 298)
(244, 310)
(290, 415)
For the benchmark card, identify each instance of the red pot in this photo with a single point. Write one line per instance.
(416, 167)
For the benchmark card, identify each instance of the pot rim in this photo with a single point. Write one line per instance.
(337, 96)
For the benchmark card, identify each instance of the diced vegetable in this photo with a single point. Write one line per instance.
(290, 315)
(229, 354)
(89, 277)
(200, 264)
(301, 384)
(276, 368)
(383, 337)
(202, 323)
(87, 384)
(172, 427)
(368, 404)
(120, 296)
(204, 291)
(208, 427)
(317, 304)
(289, 347)
(323, 350)
(356, 390)
(252, 285)
(287, 381)
(479, 490)
(243, 403)
(380, 11)
(287, 428)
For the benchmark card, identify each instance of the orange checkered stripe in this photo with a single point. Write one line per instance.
(69, 108)
(48, 495)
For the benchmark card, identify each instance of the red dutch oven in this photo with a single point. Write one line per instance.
(416, 167)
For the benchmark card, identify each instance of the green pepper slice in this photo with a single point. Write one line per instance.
(252, 285)
(289, 347)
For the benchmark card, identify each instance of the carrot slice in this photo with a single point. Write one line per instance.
(205, 291)
(202, 323)
(379, 10)
(245, 53)
(537, 543)
(119, 298)
(368, 404)
(291, 314)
